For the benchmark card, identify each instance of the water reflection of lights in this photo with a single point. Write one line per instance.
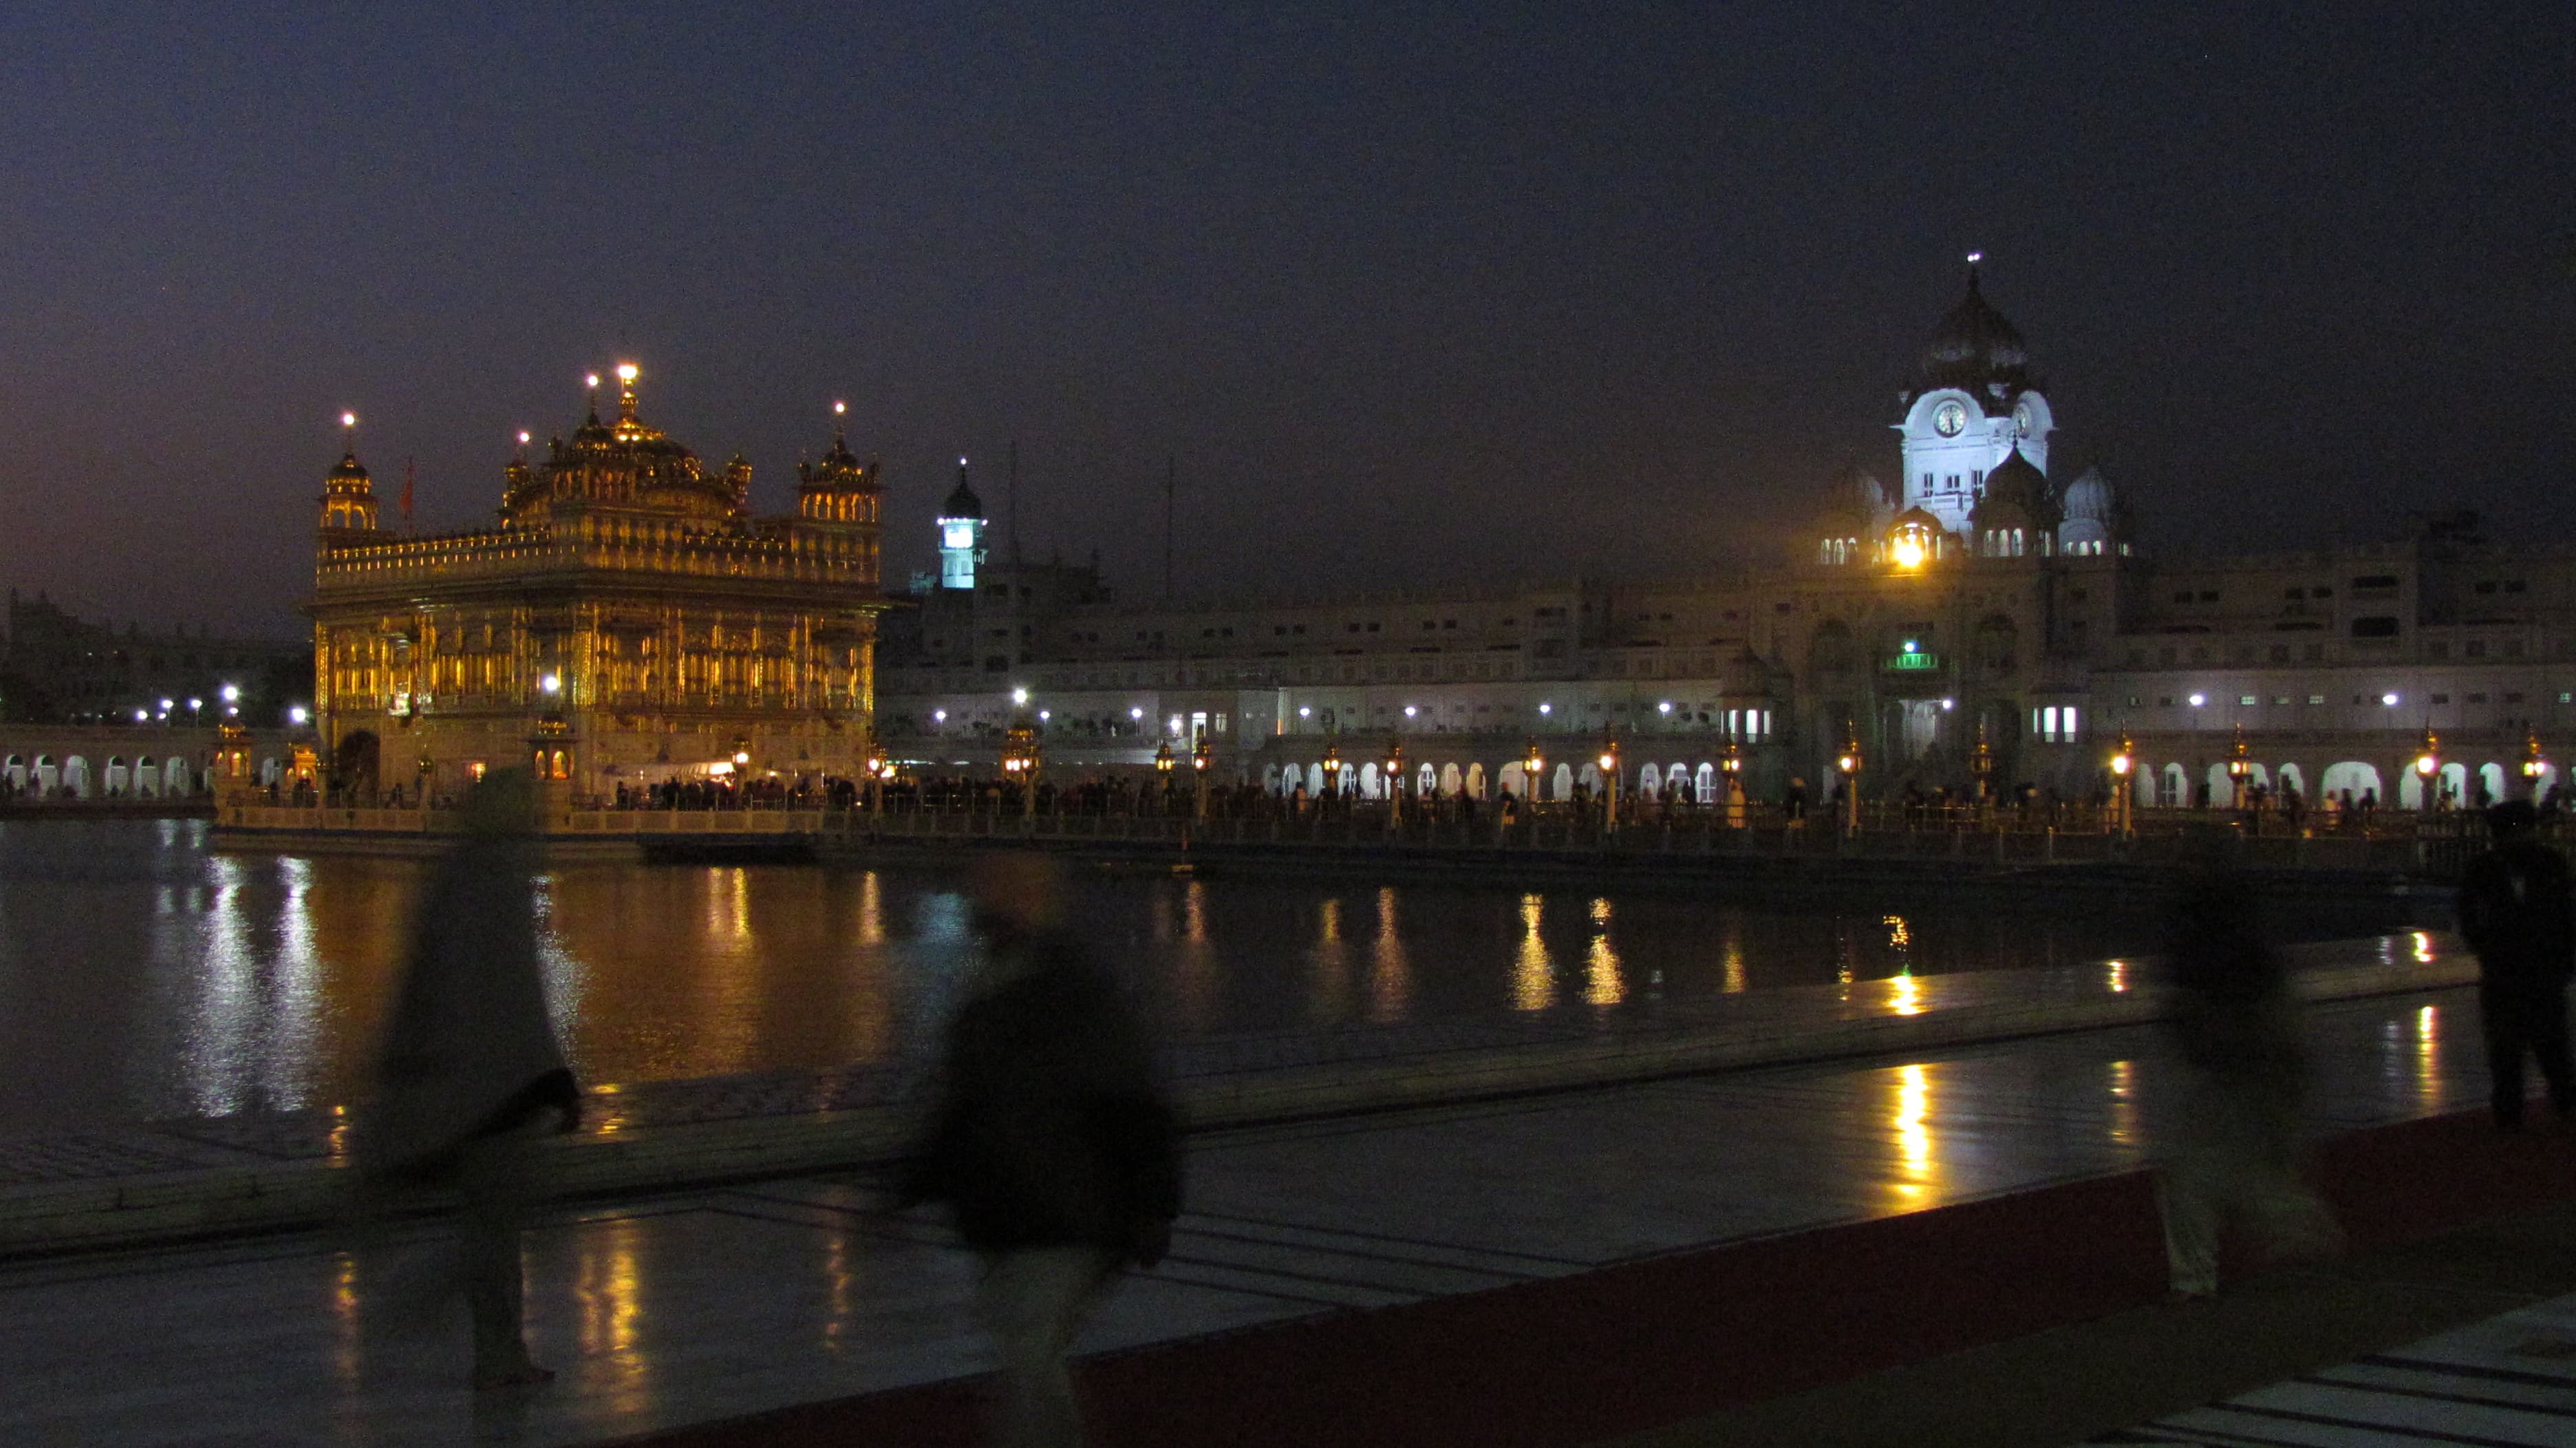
(1533, 971)
(1390, 979)
(1913, 1134)
(1197, 974)
(2428, 1056)
(1905, 996)
(1898, 935)
(1732, 962)
(2124, 1102)
(219, 1033)
(347, 1327)
(1332, 959)
(871, 909)
(2423, 950)
(1602, 986)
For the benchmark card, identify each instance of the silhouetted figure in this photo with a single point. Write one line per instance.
(1054, 1147)
(2516, 913)
(2235, 1022)
(470, 1072)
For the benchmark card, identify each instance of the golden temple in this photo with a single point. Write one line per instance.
(627, 623)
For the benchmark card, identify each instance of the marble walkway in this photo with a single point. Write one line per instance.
(663, 1310)
(2507, 1382)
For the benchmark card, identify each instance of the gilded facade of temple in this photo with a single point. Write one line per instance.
(627, 622)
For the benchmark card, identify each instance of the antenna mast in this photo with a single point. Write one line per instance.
(1171, 481)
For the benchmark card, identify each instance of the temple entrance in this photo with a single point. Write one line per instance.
(353, 764)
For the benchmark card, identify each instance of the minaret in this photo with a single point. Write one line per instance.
(961, 534)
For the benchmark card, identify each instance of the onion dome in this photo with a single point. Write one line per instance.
(2090, 497)
(838, 489)
(1977, 350)
(348, 470)
(2016, 492)
(962, 502)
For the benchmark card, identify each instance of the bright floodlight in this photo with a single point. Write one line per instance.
(1305, 711)
(1547, 708)
(940, 715)
(1045, 714)
(2199, 699)
(1909, 552)
(165, 706)
(626, 372)
(298, 714)
(1665, 707)
(232, 693)
(1975, 257)
(551, 683)
(348, 419)
(142, 714)
(592, 380)
(1408, 711)
(523, 437)
(1020, 695)
(839, 407)
(1136, 713)
(2390, 700)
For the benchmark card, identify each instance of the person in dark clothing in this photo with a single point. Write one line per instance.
(1054, 1146)
(2516, 912)
(470, 1074)
(2234, 1020)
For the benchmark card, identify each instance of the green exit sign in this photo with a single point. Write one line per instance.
(1905, 662)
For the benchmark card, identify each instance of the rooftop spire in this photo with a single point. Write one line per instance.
(627, 372)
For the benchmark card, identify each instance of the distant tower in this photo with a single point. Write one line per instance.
(961, 534)
(1978, 402)
(348, 501)
(841, 493)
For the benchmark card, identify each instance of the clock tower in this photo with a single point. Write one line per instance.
(1975, 405)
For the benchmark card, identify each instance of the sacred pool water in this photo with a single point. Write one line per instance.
(143, 974)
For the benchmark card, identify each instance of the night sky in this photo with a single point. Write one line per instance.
(1416, 295)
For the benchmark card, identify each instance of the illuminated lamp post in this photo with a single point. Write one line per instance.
(1332, 767)
(1909, 549)
(1848, 765)
(1981, 768)
(1531, 764)
(875, 763)
(2240, 768)
(1020, 762)
(1609, 762)
(1163, 768)
(2124, 794)
(1199, 772)
(1394, 781)
(1730, 768)
(2535, 766)
(2428, 765)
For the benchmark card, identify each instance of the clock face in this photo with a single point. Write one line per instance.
(1948, 418)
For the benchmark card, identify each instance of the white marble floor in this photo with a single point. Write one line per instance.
(2507, 1382)
(688, 1307)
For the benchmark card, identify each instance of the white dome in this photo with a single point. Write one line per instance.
(2090, 497)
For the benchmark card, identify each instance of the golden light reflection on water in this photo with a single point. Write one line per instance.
(1905, 996)
(1195, 985)
(872, 929)
(2423, 948)
(347, 1325)
(1390, 974)
(2124, 1102)
(1331, 959)
(1601, 983)
(1731, 957)
(1918, 1171)
(1533, 969)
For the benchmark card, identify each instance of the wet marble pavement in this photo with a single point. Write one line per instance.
(684, 1307)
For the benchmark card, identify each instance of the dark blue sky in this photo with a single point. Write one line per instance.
(1416, 294)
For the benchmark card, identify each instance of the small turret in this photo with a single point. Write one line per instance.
(348, 499)
(840, 489)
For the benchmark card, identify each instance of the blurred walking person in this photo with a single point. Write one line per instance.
(470, 1073)
(2234, 1020)
(2516, 913)
(1054, 1146)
